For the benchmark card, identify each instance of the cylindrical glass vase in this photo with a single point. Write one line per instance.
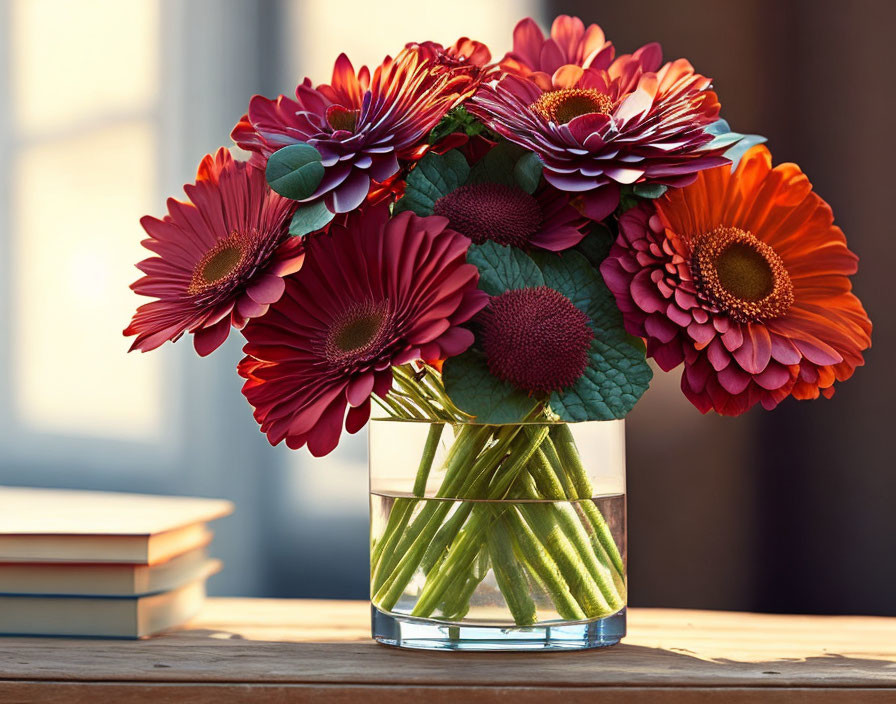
(497, 537)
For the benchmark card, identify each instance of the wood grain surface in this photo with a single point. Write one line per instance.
(242, 650)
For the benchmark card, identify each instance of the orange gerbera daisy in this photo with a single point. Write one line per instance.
(745, 278)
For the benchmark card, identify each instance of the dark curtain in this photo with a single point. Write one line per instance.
(793, 510)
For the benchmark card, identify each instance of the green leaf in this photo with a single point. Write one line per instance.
(434, 176)
(649, 190)
(736, 153)
(498, 165)
(474, 389)
(457, 120)
(503, 268)
(596, 244)
(615, 379)
(527, 172)
(573, 275)
(737, 144)
(295, 171)
(617, 373)
(309, 218)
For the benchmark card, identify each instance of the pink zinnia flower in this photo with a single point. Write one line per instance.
(363, 126)
(371, 295)
(606, 125)
(221, 257)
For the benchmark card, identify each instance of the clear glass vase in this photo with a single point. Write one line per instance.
(497, 537)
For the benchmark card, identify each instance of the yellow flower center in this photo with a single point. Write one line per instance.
(219, 263)
(562, 106)
(360, 330)
(741, 275)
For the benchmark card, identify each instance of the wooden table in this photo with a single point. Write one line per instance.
(247, 650)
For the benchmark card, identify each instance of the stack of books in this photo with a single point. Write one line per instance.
(80, 563)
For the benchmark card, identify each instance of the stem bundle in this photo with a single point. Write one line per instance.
(514, 500)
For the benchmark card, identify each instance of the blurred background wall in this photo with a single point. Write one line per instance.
(106, 107)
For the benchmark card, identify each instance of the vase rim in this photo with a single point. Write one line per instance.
(428, 421)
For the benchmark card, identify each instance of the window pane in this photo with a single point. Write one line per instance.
(73, 60)
(76, 205)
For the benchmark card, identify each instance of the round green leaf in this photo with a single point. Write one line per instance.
(295, 171)
(309, 218)
(474, 389)
(503, 268)
(434, 176)
(497, 166)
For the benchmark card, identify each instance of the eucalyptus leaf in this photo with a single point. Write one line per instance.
(503, 268)
(435, 175)
(527, 172)
(474, 389)
(736, 153)
(735, 143)
(309, 218)
(295, 171)
(649, 190)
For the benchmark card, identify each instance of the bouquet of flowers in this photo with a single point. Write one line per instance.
(497, 248)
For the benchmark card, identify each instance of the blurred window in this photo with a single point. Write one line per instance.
(82, 150)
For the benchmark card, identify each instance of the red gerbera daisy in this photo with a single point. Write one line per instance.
(744, 277)
(221, 257)
(361, 125)
(371, 295)
(570, 42)
(596, 128)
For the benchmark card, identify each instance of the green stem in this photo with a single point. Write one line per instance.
(463, 549)
(398, 569)
(542, 566)
(509, 575)
(403, 508)
(468, 443)
(569, 457)
(410, 387)
(457, 603)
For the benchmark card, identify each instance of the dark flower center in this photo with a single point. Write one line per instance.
(535, 339)
(340, 118)
(359, 333)
(741, 275)
(220, 264)
(491, 211)
(564, 105)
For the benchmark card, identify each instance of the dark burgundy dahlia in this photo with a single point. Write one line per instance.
(536, 339)
(596, 129)
(362, 125)
(371, 295)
